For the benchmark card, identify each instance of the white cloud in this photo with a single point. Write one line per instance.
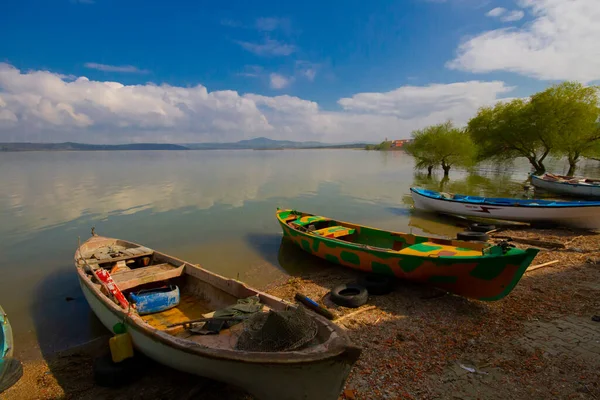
(457, 99)
(496, 12)
(271, 24)
(116, 68)
(307, 69)
(278, 81)
(561, 43)
(269, 47)
(42, 106)
(513, 16)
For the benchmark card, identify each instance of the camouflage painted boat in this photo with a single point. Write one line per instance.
(471, 269)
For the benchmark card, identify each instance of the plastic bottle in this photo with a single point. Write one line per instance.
(120, 344)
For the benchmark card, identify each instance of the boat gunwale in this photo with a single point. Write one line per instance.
(7, 335)
(585, 185)
(338, 345)
(485, 202)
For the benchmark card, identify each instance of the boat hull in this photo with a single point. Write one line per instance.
(266, 381)
(486, 278)
(11, 369)
(586, 217)
(566, 188)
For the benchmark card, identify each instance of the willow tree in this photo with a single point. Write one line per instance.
(505, 132)
(561, 120)
(566, 115)
(442, 145)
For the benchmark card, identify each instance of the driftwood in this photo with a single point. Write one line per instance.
(546, 264)
(368, 308)
(532, 242)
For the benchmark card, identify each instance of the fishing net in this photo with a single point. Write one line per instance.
(277, 331)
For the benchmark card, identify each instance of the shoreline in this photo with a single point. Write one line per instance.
(418, 342)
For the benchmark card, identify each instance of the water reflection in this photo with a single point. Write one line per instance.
(214, 208)
(477, 183)
(43, 190)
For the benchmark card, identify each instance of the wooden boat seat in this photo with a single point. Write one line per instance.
(430, 249)
(335, 231)
(303, 221)
(154, 273)
(104, 257)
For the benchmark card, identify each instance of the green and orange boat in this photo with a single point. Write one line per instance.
(471, 269)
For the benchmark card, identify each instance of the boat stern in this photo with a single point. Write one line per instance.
(522, 260)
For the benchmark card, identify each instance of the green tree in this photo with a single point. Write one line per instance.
(505, 131)
(561, 120)
(566, 116)
(443, 145)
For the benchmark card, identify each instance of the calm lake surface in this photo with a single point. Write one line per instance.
(214, 208)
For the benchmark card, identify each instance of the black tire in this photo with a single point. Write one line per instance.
(110, 374)
(472, 236)
(13, 371)
(349, 295)
(377, 284)
(477, 227)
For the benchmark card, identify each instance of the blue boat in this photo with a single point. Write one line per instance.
(10, 369)
(579, 214)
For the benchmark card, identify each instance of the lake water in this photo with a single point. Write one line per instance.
(214, 208)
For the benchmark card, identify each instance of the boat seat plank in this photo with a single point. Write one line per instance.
(335, 231)
(137, 251)
(303, 221)
(431, 249)
(139, 276)
(104, 257)
(189, 307)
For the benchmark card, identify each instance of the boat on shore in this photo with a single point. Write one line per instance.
(567, 185)
(200, 334)
(577, 214)
(10, 368)
(472, 269)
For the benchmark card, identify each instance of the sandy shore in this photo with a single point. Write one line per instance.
(418, 342)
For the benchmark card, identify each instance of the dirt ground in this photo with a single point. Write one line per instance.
(539, 342)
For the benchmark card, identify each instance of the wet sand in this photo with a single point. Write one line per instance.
(418, 342)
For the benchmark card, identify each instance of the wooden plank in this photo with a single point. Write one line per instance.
(122, 258)
(546, 264)
(102, 256)
(136, 251)
(139, 276)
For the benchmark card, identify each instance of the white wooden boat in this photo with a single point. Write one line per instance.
(316, 371)
(567, 185)
(580, 214)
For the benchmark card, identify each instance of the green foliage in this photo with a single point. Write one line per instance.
(561, 120)
(505, 132)
(566, 115)
(385, 145)
(442, 145)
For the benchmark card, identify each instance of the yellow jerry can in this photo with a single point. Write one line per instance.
(120, 344)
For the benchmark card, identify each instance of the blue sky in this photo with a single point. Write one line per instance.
(287, 59)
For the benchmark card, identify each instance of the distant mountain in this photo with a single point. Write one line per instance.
(263, 143)
(260, 143)
(70, 146)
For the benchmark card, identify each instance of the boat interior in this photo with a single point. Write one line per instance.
(499, 201)
(199, 294)
(401, 243)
